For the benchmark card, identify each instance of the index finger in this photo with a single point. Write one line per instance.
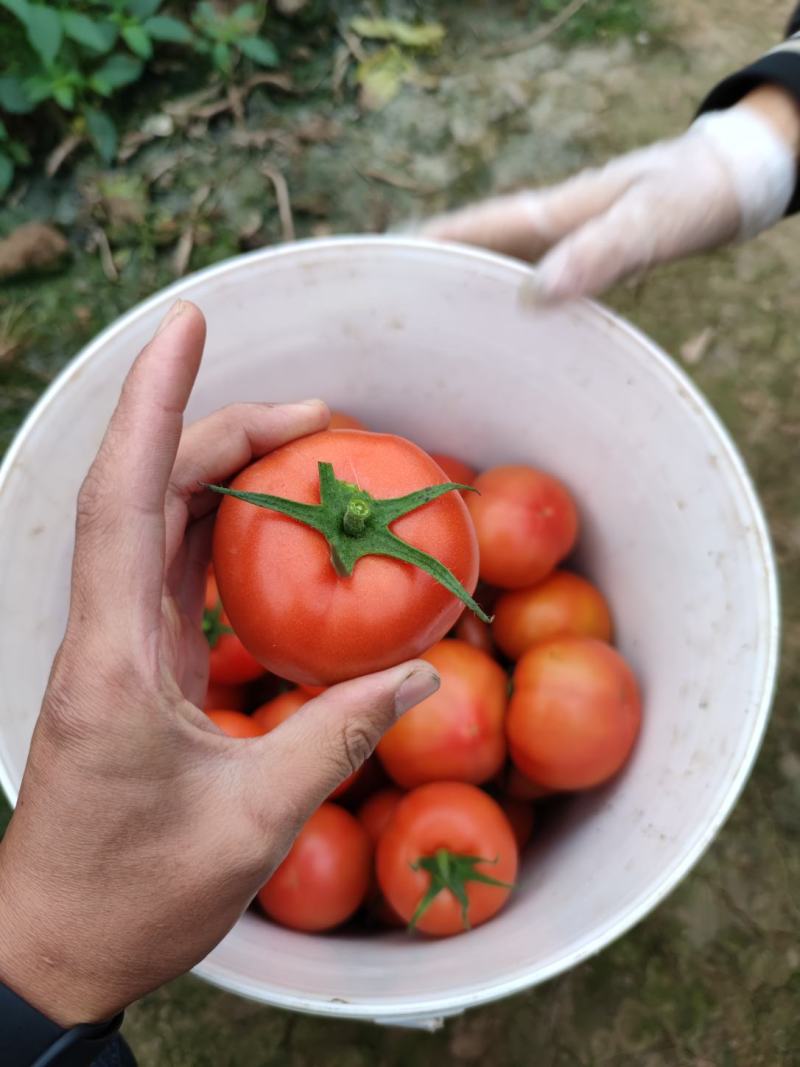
(119, 549)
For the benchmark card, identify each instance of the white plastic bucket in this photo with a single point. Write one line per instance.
(434, 342)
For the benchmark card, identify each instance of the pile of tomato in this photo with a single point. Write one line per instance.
(533, 705)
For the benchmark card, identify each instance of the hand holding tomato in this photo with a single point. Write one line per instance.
(123, 759)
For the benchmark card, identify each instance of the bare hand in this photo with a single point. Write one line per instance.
(142, 832)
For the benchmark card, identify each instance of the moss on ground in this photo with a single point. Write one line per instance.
(712, 979)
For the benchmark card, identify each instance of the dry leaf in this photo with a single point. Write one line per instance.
(31, 247)
(382, 75)
(425, 35)
(693, 350)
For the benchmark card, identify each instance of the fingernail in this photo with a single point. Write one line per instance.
(177, 309)
(419, 685)
(314, 402)
(531, 292)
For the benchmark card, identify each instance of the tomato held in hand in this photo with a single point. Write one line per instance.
(574, 714)
(278, 710)
(458, 733)
(326, 875)
(304, 601)
(448, 858)
(455, 470)
(564, 604)
(376, 813)
(526, 522)
(229, 662)
(341, 421)
(234, 723)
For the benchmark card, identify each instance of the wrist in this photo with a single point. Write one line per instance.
(37, 965)
(780, 110)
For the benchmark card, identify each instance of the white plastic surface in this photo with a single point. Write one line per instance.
(433, 341)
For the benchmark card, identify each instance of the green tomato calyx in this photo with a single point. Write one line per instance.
(449, 870)
(355, 525)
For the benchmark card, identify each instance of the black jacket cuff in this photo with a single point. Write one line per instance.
(779, 67)
(30, 1039)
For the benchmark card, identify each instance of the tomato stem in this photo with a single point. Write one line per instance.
(450, 870)
(356, 524)
(213, 626)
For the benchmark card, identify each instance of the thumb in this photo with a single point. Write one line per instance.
(332, 735)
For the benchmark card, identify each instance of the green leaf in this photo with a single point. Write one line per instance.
(44, 31)
(260, 51)
(102, 132)
(137, 40)
(119, 70)
(64, 96)
(92, 33)
(38, 88)
(382, 75)
(143, 9)
(3, 131)
(18, 8)
(13, 97)
(246, 13)
(426, 35)
(6, 172)
(221, 56)
(166, 28)
(19, 153)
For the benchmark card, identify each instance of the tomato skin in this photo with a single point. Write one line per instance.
(219, 695)
(229, 662)
(458, 733)
(526, 522)
(234, 723)
(521, 819)
(564, 604)
(376, 812)
(574, 714)
(281, 592)
(326, 875)
(341, 421)
(462, 819)
(455, 469)
(278, 710)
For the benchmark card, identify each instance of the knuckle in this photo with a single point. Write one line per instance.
(92, 507)
(357, 741)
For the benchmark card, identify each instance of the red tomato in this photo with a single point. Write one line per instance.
(376, 813)
(564, 604)
(280, 589)
(277, 710)
(326, 875)
(442, 835)
(574, 714)
(229, 662)
(458, 733)
(455, 470)
(219, 695)
(475, 632)
(521, 818)
(340, 421)
(234, 723)
(526, 523)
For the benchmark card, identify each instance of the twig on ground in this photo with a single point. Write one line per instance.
(61, 152)
(283, 199)
(539, 35)
(100, 242)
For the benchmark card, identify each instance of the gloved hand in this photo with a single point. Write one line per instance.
(730, 175)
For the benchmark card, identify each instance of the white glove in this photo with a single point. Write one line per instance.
(729, 176)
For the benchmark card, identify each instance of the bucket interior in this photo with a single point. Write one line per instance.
(435, 343)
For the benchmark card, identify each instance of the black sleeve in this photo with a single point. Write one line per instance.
(780, 66)
(30, 1039)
